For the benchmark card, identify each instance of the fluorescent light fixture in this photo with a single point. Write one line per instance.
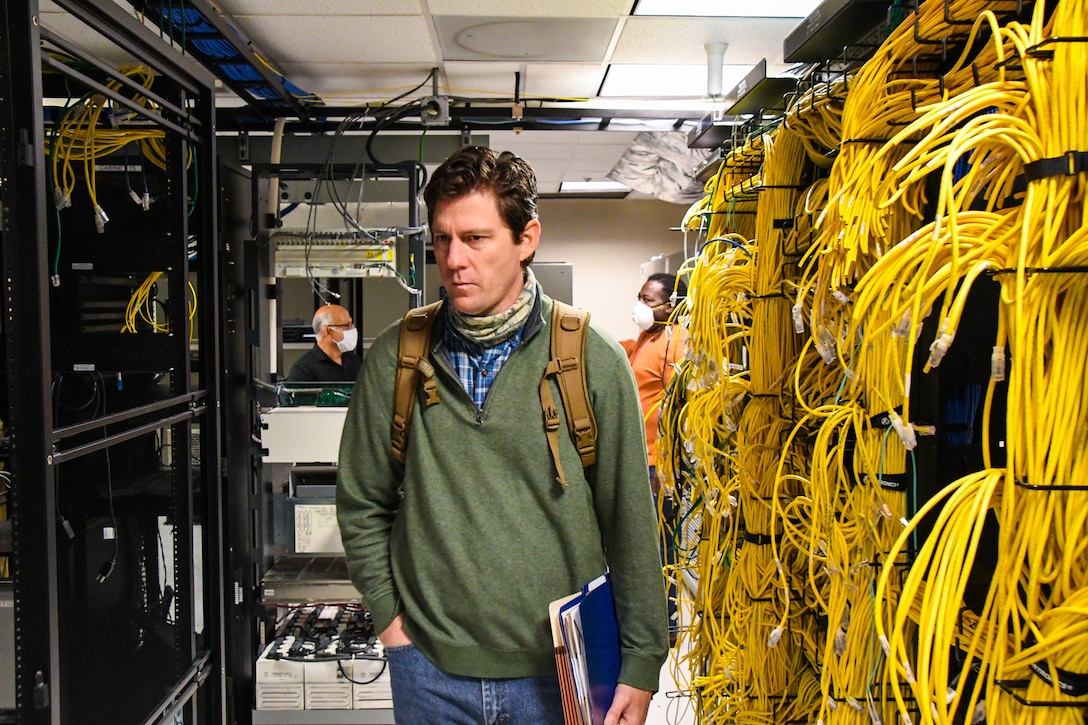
(728, 8)
(664, 81)
(592, 187)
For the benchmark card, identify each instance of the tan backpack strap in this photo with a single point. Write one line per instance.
(412, 361)
(569, 329)
(551, 419)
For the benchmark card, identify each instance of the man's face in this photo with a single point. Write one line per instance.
(478, 257)
(655, 296)
(341, 321)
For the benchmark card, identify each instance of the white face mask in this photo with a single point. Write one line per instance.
(643, 315)
(349, 340)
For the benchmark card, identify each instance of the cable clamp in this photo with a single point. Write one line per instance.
(1070, 163)
(1071, 684)
(761, 539)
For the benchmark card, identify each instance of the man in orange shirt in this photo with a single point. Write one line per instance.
(653, 357)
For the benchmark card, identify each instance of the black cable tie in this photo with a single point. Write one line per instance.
(1073, 269)
(1051, 487)
(1069, 164)
(884, 420)
(1072, 684)
(892, 482)
(761, 539)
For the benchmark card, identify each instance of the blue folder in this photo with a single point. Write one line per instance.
(588, 623)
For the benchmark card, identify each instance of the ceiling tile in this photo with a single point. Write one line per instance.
(563, 80)
(321, 7)
(523, 39)
(344, 83)
(474, 79)
(533, 8)
(352, 38)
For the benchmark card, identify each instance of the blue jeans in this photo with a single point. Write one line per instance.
(424, 694)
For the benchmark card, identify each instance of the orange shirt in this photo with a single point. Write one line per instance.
(652, 357)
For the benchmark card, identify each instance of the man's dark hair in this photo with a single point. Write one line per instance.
(478, 168)
(671, 284)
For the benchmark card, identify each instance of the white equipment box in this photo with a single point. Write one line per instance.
(306, 434)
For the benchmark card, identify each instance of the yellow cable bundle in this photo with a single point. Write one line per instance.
(141, 306)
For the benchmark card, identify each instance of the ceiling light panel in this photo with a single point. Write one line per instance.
(654, 40)
(728, 8)
(583, 187)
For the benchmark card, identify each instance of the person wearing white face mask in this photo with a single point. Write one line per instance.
(332, 358)
(653, 357)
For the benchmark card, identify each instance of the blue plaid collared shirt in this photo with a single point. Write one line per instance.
(477, 366)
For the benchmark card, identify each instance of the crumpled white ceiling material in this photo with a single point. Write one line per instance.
(659, 163)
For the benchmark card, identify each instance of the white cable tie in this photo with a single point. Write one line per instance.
(885, 645)
(997, 363)
(776, 634)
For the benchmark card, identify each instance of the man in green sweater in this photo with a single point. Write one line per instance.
(458, 551)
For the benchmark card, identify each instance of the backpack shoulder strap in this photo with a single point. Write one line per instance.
(412, 361)
(568, 340)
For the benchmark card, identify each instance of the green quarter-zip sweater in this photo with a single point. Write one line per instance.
(473, 536)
